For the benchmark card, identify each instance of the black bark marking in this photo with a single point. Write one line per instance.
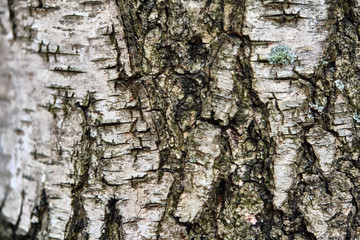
(113, 222)
(78, 221)
(12, 18)
(40, 211)
(132, 26)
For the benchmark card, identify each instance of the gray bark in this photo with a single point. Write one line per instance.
(156, 119)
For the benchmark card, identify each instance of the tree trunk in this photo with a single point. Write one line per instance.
(164, 119)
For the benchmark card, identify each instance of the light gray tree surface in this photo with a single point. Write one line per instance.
(166, 120)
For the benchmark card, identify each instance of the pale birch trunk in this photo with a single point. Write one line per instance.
(163, 119)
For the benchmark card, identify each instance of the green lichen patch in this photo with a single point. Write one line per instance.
(281, 54)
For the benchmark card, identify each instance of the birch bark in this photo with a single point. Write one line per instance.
(154, 119)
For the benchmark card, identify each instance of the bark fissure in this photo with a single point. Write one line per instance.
(12, 18)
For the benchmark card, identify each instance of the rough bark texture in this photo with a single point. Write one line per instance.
(163, 119)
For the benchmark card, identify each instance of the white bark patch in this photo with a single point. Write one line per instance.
(222, 98)
(318, 221)
(324, 147)
(284, 169)
(343, 122)
(142, 205)
(28, 139)
(301, 29)
(78, 56)
(96, 218)
(199, 172)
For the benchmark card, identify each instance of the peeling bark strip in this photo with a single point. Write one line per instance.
(154, 119)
